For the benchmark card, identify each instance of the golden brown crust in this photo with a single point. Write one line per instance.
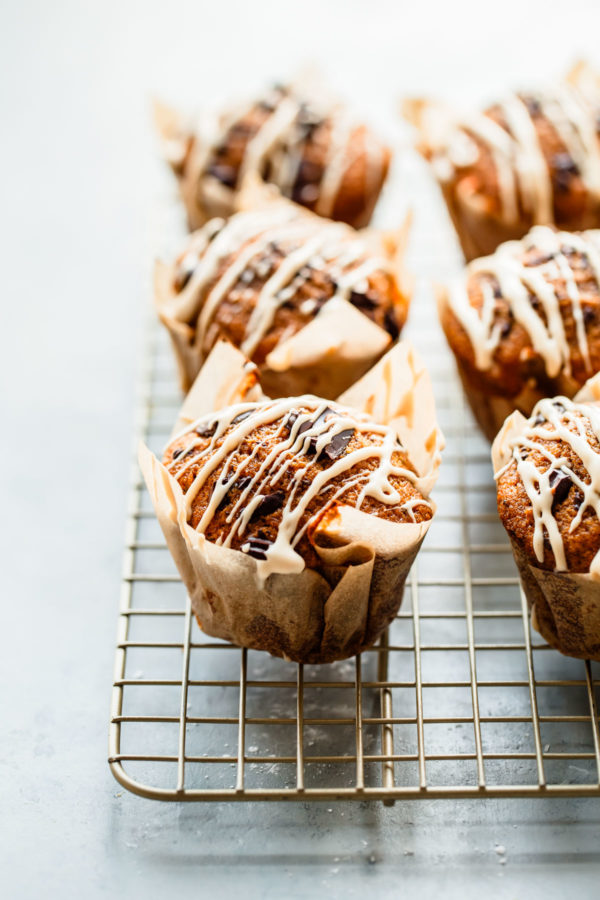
(252, 452)
(518, 373)
(516, 511)
(381, 301)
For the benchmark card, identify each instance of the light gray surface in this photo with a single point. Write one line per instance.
(76, 177)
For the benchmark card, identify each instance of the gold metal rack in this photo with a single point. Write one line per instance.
(460, 699)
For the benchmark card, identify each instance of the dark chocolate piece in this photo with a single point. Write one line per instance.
(241, 416)
(257, 547)
(391, 325)
(564, 168)
(561, 484)
(268, 505)
(337, 446)
(206, 430)
(362, 301)
(227, 175)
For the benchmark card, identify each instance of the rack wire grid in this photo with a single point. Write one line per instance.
(461, 698)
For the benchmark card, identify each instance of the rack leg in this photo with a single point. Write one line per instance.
(387, 729)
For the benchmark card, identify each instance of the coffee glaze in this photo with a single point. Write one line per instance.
(307, 430)
(527, 179)
(278, 130)
(574, 426)
(528, 286)
(225, 256)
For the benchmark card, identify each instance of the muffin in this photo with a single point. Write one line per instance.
(531, 159)
(524, 323)
(312, 302)
(294, 522)
(547, 470)
(291, 137)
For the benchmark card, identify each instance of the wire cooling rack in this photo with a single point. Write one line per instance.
(459, 699)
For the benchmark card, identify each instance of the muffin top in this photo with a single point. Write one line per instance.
(549, 489)
(310, 149)
(532, 156)
(259, 477)
(259, 277)
(530, 312)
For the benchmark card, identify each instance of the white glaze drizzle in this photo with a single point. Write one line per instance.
(517, 282)
(521, 168)
(291, 444)
(567, 425)
(239, 244)
(279, 141)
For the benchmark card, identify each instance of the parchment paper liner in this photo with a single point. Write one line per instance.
(314, 616)
(478, 231)
(330, 353)
(491, 410)
(565, 606)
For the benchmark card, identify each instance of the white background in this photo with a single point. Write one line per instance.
(76, 223)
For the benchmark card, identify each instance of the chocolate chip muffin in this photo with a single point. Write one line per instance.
(547, 469)
(311, 302)
(260, 477)
(312, 151)
(531, 159)
(294, 523)
(524, 323)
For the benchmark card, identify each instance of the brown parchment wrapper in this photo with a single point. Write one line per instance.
(314, 616)
(565, 606)
(330, 353)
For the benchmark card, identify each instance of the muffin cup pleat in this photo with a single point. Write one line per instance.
(565, 608)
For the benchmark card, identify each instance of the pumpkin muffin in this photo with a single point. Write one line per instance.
(290, 137)
(524, 323)
(294, 522)
(547, 470)
(530, 159)
(312, 302)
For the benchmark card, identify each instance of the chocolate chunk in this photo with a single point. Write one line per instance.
(362, 301)
(239, 485)
(505, 328)
(178, 454)
(182, 278)
(497, 291)
(227, 175)
(289, 422)
(337, 446)
(589, 314)
(312, 445)
(538, 258)
(391, 325)
(577, 499)
(564, 168)
(256, 547)
(268, 505)
(241, 416)
(558, 405)
(561, 485)
(206, 430)
(533, 105)
(539, 419)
